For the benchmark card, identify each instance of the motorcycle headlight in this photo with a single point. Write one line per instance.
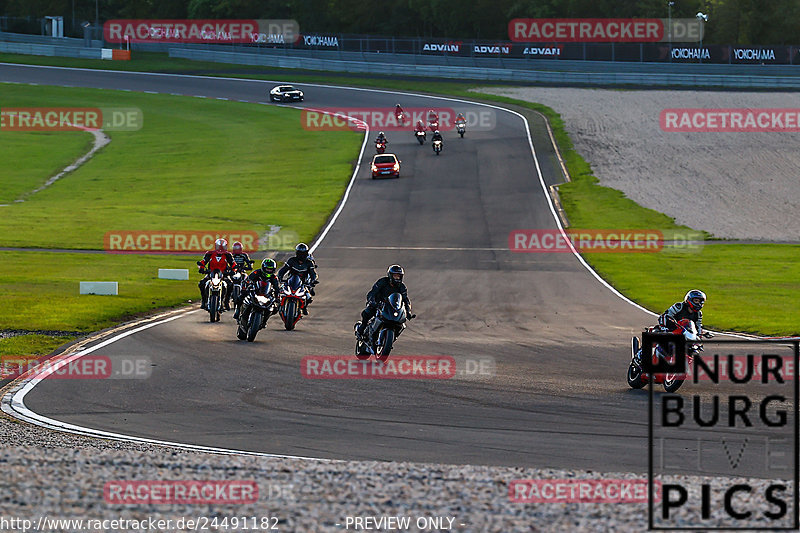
(263, 300)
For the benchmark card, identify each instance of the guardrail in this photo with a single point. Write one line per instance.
(50, 50)
(554, 72)
(493, 74)
(46, 39)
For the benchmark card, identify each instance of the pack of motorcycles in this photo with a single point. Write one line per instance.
(255, 305)
(421, 135)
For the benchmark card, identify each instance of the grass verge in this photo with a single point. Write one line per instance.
(195, 165)
(31, 158)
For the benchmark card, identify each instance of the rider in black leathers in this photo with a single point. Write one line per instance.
(381, 290)
(267, 274)
(304, 266)
(243, 264)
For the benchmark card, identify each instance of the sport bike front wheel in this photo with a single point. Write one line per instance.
(385, 341)
(255, 325)
(290, 314)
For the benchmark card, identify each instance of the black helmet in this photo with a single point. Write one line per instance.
(301, 251)
(268, 266)
(395, 274)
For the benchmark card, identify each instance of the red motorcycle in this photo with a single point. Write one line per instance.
(380, 147)
(637, 378)
(294, 298)
(433, 121)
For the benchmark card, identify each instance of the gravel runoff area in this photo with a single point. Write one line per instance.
(732, 185)
(59, 476)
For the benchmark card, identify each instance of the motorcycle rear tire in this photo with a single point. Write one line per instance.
(361, 351)
(635, 376)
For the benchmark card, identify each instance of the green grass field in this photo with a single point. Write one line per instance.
(751, 288)
(30, 158)
(41, 288)
(195, 165)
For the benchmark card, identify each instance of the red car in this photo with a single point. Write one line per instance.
(385, 165)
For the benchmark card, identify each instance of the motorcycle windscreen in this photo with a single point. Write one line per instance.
(294, 283)
(394, 310)
(262, 288)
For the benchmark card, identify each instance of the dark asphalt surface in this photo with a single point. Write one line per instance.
(559, 338)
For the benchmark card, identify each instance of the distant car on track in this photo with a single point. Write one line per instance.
(385, 165)
(285, 93)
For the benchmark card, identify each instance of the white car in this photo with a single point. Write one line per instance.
(285, 93)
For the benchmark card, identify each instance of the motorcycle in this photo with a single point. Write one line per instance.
(437, 146)
(215, 289)
(237, 282)
(382, 330)
(461, 127)
(433, 125)
(259, 304)
(400, 118)
(294, 298)
(380, 147)
(671, 382)
(420, 135)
